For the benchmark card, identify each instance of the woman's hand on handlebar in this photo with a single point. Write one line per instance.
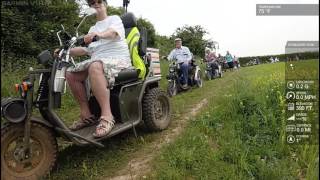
(56, 52)
(89, 37)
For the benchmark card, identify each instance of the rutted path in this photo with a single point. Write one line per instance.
(140, 164)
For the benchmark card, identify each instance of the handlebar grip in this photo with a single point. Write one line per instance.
(95, 38)
(80, 41)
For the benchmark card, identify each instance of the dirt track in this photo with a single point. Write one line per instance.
(140, 164)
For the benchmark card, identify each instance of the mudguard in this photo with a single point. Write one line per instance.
(149, 82)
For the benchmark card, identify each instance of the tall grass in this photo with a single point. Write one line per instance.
(240, 136)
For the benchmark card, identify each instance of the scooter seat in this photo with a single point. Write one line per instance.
(126, 76)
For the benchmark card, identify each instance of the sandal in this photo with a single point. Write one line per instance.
(104, 127)
(83, 123)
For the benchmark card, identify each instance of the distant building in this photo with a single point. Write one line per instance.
(301, 46)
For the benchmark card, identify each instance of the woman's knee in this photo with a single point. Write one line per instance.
(76, 76)
(69, 76)
(95, 68)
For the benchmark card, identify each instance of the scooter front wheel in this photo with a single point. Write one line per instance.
(172, 88)
(16, 164)
(156, 110)
(199, 79)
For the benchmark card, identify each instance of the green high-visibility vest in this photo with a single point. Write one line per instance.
(133, 40)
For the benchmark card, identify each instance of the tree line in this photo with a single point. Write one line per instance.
(281, 57)
(30, 27)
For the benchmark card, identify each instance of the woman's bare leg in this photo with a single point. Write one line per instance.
(99, 88)
(76, 83)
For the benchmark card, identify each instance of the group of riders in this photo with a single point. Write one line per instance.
(182, 55)
(107, 61)
(227, 62)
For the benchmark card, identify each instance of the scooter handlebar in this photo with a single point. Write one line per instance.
(80, 40)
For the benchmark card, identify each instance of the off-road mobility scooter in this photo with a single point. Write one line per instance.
(213, 70)
(174, 77)
(29, 143)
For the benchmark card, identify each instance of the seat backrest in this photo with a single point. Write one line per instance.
(129, 21)
(135, 43)
(142, 46)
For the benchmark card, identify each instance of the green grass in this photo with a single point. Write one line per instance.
(302, 70)
(240, 135)
(218, 144)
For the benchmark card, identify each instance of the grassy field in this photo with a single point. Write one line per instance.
(238, 135)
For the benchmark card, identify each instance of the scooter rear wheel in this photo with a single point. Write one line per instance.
(156, 110)
(42, 156)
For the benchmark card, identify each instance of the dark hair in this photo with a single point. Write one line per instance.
(88, 1)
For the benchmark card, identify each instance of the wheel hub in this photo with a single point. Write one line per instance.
(20, 160)
(19, 154)
(159, 110)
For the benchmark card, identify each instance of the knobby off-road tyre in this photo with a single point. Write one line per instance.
(43, 152)
(208, 76)
(156, 110)
(172, 88)
(199, 81)
(221, 74)
(216, 74)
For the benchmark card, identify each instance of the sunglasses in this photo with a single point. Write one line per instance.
(93, 2)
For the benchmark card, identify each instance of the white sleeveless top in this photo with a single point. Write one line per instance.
(109, 48)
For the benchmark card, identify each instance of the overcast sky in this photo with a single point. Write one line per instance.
(233, 23)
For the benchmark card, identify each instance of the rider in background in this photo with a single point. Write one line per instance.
(220, 59)
(210, 57)
(229, 60)
(222, 62)
(182, 55)
(236, 62)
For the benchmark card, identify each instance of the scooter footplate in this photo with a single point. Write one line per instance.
(87, 132)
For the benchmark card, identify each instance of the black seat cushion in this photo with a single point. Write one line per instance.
(126, 76)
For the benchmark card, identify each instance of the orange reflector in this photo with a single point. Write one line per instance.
(16, 87)
(25, 86)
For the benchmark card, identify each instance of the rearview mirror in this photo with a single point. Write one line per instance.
(89, 11)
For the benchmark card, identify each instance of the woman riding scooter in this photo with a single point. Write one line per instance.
(211, 59)
(109, 55)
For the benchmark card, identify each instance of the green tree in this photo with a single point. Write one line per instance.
(30, 26)
(193, 37)
(150, 30)
(165, 44)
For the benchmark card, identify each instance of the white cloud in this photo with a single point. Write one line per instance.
(233, 23)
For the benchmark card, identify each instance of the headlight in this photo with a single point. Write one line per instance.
(45, 58)
(13, 109)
